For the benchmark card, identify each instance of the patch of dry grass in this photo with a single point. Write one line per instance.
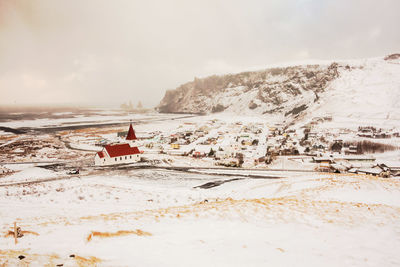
(302, 205)
(98, 131)
(11, 233)
(10, 258)
(83, 262)
(282, 209)
(118, 233)
(7, 137)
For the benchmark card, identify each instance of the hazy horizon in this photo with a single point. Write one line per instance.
(103, 53)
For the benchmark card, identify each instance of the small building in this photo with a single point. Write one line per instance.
(375, 171)
(175, 146)
(230, 162)
(355, 158)
(198, 154)
(324, 160)
(119, 153)
(122, 134)
(392, 167)
(351, 150)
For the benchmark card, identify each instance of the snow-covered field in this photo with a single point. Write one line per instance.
(158, 217)
(161, 217)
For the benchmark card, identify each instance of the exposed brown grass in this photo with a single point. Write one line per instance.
(119, 233)
(284, 209)
(11, 233)
(7, 137)
(83, 262)
(10, 258)
(98, 131)
(298, 205)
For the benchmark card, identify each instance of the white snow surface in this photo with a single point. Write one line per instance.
(371, 91)
(302, 220)
(27, 174)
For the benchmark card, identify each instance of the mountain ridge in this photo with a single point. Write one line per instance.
(289, 91)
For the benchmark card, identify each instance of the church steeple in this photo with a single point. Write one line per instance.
(131, 136)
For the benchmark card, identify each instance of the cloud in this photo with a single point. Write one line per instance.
(109, 52)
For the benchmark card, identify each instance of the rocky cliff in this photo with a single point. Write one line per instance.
(289, 91)
(266, 91)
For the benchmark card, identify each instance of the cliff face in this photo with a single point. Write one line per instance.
(353, 89)
(287, 91)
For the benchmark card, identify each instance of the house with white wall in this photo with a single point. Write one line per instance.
(119, 153)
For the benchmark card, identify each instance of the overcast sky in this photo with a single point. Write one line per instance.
(109, 52)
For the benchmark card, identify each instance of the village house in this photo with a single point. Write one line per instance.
(392, 167)
(119, 153)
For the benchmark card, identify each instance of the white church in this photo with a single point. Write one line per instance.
(119, 153)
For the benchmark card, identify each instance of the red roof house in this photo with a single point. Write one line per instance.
(119, 153)
(121, 150)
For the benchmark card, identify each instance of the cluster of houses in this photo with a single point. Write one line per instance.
(228, 144)
(235, 144)
(378, 133)
(358, 164)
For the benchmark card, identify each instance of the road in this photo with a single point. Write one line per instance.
(92, 170)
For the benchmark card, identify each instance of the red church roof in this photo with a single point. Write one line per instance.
(121, 150)
(131, 133)
(101, 154)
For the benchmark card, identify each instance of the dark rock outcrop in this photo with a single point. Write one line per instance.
(275, 89)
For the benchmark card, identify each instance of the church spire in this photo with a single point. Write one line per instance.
(131, 134)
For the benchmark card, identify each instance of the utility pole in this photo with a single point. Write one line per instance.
(15, 233)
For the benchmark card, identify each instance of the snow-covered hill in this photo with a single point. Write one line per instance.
(368, 88)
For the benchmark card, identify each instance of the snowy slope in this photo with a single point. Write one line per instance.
(371, 90)
(303, 220)
(368, 88)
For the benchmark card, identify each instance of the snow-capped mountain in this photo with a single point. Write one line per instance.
(345, 88)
